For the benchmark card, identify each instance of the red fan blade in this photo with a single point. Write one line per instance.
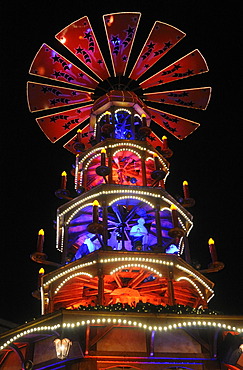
(189, 65)
(42, 96)
(177, 126)
(57, 125)
(121, 29)
(50, 64)
(161, 39)
(154, 140)
(191, 98)
(87, 135)
(79, 38)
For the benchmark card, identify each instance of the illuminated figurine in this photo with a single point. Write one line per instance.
(138, 235)
(88, 246)
(172, 249)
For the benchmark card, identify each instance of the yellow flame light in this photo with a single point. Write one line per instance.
(173, 207)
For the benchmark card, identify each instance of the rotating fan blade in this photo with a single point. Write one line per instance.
(50, 64)
(189, 65)
(79, 38)
(87, 135)
(154, 140)
(161, 39)
(57, 125)
(121, 29)
(41, 97)
(177, 126)
(191, 98)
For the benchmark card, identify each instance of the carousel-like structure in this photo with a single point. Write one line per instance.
(125, 293)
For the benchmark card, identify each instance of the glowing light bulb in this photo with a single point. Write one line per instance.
(173, 207)
(210, 241)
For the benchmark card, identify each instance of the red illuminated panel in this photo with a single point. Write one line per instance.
(42, 96)
(191, 98)
(191, 64)
(87, 135)
(50, 64)
(120, 31)
(161, 39)
(79, 38)
(57, 125)
(154, 140)
(177, 126)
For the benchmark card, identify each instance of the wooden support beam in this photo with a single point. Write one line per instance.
(195, 335)
(135, 282)
(118, 280)
(101, 334)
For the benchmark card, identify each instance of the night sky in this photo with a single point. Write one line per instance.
(210, 159)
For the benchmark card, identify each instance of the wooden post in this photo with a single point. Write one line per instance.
(143, 167)
(87, 335)
(187, 251)
(171, 294)
(150, 343)
(105, 222)
(158, 226)
(109, 157)
(100, 286)
(84, 179)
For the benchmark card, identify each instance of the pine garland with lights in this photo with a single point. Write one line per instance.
(151, 308)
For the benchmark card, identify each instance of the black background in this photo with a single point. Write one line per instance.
(210, 159)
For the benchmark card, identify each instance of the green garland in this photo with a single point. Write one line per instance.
(151, 308)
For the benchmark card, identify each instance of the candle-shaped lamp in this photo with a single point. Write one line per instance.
(144, 121)
(107, 117)
(79, 135)
(41, 273)
(164, 142)
(40, 241)
(212, 250)
(174, 215)
(166, 151)
(64, 180)
(156, 161)
(95, 211)
(186, 190)
(103, 157)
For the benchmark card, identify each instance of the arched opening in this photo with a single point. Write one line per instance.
(129, 222)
